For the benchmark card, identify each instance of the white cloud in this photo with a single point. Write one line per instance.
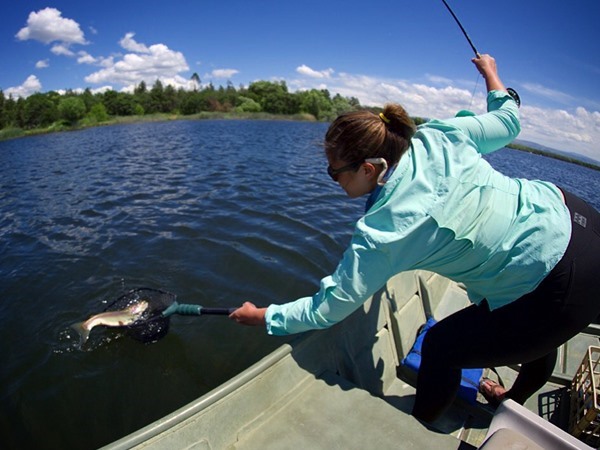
(42, 64)
(576, 129)
(61, 49)
(307, 71)
(436, 79)
(177, 82)
(106, 62)
(223, 73)
(145, 63)
(47, 25)
(543, 91)
(128, 43)
(101, 89)
(30, 86)
(86, 58)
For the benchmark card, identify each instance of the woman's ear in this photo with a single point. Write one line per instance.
(369, 170)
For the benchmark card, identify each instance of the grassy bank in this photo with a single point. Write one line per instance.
(12, 133)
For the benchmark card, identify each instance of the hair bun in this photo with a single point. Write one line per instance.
(398, 121)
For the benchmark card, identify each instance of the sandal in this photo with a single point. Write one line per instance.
(492, 391)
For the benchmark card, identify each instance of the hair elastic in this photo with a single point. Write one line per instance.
(385, 119)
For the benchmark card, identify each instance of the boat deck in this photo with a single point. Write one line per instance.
(345, 387)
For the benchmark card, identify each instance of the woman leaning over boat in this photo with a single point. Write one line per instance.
(526, 251)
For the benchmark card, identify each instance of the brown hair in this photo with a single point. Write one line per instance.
(358, 135)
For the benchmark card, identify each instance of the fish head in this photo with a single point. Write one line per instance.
(138, 307)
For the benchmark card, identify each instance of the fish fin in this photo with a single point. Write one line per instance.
(83, 332)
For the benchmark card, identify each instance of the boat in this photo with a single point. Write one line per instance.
(347, 388)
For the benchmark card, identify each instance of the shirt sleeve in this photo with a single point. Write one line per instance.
(363, 270)
(495, 129)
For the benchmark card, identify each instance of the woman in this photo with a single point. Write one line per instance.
(436, 205)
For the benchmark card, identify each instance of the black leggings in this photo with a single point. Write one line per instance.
(526, 331)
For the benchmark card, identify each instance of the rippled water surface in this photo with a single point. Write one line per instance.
(217, 212)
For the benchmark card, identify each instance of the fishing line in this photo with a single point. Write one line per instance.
(474, 90)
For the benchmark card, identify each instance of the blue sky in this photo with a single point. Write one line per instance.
(407, 52)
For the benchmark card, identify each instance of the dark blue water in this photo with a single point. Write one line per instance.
(217, 212)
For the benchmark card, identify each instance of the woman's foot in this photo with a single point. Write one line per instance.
(493, 392)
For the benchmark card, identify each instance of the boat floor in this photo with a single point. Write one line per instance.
(329, 412)
(344, 388)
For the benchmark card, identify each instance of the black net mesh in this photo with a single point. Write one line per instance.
(152, 325)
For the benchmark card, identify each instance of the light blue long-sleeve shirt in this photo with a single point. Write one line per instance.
(445, 209)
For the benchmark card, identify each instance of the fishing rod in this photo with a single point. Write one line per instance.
(510, 91)
(462, 28)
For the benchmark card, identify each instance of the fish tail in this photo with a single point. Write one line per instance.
(83, 331)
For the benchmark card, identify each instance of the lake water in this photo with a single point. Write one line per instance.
(217, 212)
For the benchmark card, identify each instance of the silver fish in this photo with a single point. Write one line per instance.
(121, 318)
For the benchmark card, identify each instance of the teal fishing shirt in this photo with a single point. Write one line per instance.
(446, 210)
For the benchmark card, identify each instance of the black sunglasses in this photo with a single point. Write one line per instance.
(333, 173)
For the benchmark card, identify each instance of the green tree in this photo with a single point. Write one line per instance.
(169, 103)
(71, 109)
(3, 115)
(157, 98)
(141, 88)
(196, 79)
(273, 97)
(98, 113)
(88, 99)
(40, 111)
(193, 103)
(246, 104)
(316, 102)
(341, 105)
(10, 114)
(142, 96)
(119, 103)
(19, 113)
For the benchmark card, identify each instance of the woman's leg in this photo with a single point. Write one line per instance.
(526, 331)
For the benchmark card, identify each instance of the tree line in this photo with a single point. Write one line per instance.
(43, 110)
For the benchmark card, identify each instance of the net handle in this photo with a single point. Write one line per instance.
(195, 310)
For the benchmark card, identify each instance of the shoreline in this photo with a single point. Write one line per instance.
(15, 133)
(525, 148)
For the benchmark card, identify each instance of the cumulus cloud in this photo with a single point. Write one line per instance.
(61, 49)
(307, 71)
(147, 63)
(543, 91)
(47, 25)
(575, 129)
(128, 43)
(30, 86)
(42, 64)
(86, 58)
(223, 73)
